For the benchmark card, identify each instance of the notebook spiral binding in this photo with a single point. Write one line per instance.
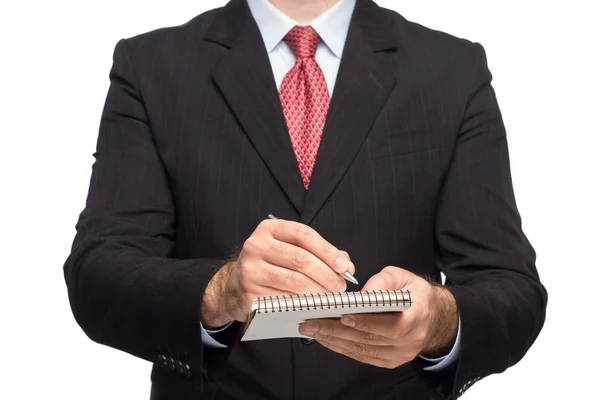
(305, 302)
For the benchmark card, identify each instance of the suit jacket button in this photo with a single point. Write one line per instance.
(308, 341)
(187, 370)
(179, 366)
(171, 362)
(162, 359)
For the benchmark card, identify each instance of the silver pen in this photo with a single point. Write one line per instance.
(346, 275)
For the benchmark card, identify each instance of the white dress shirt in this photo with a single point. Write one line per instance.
(332, 26)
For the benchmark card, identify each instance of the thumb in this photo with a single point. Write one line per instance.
(390, 278)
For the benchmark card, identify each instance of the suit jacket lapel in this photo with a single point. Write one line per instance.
(362, 87)
(245, 78)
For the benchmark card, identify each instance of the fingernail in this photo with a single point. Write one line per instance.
(348, 321)
(342, 264)
(341, 287)
(353, 268)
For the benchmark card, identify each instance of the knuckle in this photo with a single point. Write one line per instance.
(276, 246)
(360, 348)
(420, 338)
(293, 280)
(298, 259)
(280, 248)
(326, 329)
(376, 354)
(364, 326)
(245, 269)
(352, 354)
(368, 337)
(426, 315)
(302, 232)
(252, 245)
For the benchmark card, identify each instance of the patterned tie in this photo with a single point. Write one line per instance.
(304, 98)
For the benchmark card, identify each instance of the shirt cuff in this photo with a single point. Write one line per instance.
(207, 338)
(442, 363)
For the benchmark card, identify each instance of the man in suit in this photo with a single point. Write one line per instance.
(380, 146)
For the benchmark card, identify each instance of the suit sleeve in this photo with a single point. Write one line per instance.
(124, 288)
(487, 259)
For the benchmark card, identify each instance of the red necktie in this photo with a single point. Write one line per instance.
(304, 98)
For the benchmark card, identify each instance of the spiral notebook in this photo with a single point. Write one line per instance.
(279, 316)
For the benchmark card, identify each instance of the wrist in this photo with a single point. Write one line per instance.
(213, 311)
(444, 324)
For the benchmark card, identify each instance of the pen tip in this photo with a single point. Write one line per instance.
(350, 278)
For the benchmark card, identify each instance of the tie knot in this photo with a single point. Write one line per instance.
(303, 41)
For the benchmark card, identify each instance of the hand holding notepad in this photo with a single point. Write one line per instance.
(396, 317)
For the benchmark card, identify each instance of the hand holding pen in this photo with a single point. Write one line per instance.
(347, 275)
(279, 258)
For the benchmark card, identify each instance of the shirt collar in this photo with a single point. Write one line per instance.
(332, 26)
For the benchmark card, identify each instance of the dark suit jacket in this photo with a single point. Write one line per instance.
(193, 152)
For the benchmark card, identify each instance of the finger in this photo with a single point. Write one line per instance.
(304, 236)
(288, 256)
(392, 326)
(377, 356)
(334, 328)
(289, 280)
(351, 267)
(392, 278)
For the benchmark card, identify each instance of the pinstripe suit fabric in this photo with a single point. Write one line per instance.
(413, 170)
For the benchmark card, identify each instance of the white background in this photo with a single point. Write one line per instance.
(55, 58)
